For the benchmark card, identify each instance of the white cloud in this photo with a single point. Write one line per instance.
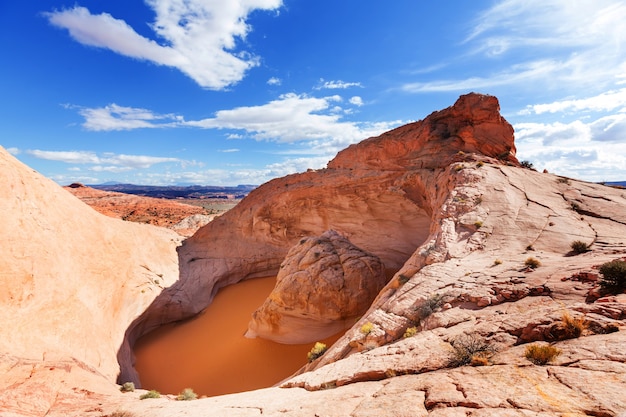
(200, 37)
(607, 101)
(274, 81)
(548, 44)
(334, 85)
(290, 118)
(229, 150)
(13, 151)
(114, 117)
(293, 118)
(594, 150)
(356, 100)
(121, 161)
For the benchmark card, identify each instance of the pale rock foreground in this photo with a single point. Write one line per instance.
(444, 204)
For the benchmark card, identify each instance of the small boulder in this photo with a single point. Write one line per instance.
(324, 284)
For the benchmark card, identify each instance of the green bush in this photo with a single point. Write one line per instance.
(541, 354)
(187, 395)
(613, 276)
(316, 351)
(578, 246)
(150, 394)
(127, 387)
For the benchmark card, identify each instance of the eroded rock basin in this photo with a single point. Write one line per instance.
(210, 353)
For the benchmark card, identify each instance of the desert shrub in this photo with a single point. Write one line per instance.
(532, 263)
(403, 279)
(527, 165)
(613, 276)
(497, 262)
(187, 395)
(470, 349)
(127, 387)
(150, 394)
(316, 351)
(367, 328)
(430, 306)
(578, 246)
(459, 167)
(120, 414)
(478, 224)
(530, 247)
(541, 354)
(411, 331)
(563, 180)
(479, 164)
(572, 327)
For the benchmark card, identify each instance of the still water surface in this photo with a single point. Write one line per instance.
(210, 354)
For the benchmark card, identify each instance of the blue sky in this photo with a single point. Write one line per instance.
(228, 92)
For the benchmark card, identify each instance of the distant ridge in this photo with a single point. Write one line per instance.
(175, 191)
(616, 183)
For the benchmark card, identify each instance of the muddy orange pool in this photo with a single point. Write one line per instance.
(210, 354)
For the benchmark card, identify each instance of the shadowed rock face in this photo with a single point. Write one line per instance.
(324, 284)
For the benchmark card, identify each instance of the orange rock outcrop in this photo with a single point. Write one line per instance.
(133, 208)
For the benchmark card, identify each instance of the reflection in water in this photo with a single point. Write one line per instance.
(210, 354)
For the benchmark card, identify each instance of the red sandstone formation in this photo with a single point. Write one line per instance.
(133, 208)
(324, 284)
(442, 202)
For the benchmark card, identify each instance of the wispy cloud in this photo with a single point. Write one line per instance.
(550, 43)
(200, 36)
(335, 85)
(274, 81)
(114, 117)
(607, 101)
(13, 151)
(104, 162)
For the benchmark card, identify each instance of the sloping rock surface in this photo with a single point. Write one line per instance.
(324, 284)
(72, 281)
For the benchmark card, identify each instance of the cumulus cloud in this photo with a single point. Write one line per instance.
(356, 100)
(103, 162)
(200, 37)
(274, 81)
(293, 118)
(572, 149)
(290, 118)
